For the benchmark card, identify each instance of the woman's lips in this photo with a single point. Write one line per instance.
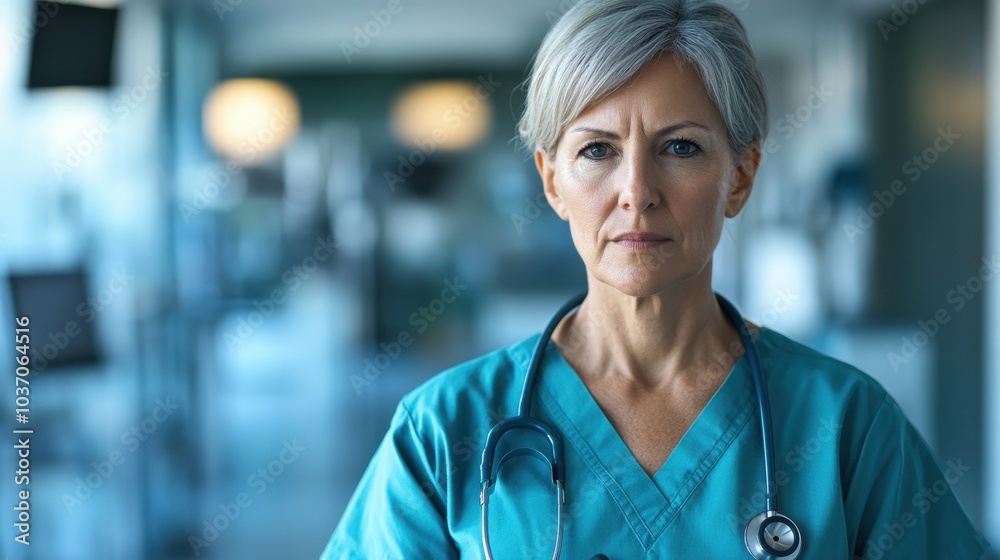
(640, 241)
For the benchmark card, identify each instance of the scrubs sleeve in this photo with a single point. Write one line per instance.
(899, 502)
(397, 511)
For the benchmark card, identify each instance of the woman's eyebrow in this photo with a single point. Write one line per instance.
(662, 132)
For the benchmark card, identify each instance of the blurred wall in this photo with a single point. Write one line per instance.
(991, 396)
(928, 122)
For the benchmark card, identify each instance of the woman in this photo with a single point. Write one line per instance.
(646, 119)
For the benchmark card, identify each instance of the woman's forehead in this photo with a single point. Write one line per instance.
(665, 91)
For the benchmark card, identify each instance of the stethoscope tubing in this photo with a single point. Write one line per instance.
(768, 519)
(527, 392)
(763, 402)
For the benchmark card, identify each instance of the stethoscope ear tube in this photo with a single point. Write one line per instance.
(490, 468)
(484, 501)
(487, 469)
(524, 420)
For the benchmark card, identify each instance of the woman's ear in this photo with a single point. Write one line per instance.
(546, 169)
(741, 181)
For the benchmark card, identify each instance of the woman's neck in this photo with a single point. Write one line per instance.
(652, 341)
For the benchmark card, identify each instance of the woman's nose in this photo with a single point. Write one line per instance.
(638, 191)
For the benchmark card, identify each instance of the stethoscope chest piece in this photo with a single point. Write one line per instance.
(772, 536)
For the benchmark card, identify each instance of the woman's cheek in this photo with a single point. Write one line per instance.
(582, 176)
(708, 221)
(586, 189)
(583, 240)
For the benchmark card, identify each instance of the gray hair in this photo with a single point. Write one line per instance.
(597, 45)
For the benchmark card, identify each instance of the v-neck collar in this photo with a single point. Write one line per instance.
(648, 503)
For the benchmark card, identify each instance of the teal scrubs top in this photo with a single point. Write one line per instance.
(851, 470)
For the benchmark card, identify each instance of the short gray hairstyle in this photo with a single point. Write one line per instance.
(597, 45)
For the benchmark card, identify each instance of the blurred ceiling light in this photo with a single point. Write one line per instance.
(959, 101)
(443, 115)
(248, 120)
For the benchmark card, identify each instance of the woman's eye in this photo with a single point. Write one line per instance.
(595, 151)
(682, 148)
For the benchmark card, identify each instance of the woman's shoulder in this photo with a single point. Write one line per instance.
(808, 374)
(488, 385)
(816, 397)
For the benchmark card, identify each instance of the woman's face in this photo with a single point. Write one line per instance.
(645, 178)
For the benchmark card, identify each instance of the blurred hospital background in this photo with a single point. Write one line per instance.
(243, 229)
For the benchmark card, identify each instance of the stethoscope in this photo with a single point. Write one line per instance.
(769, 535)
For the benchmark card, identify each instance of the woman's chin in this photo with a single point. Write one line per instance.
(639, 285)
(641, 280)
